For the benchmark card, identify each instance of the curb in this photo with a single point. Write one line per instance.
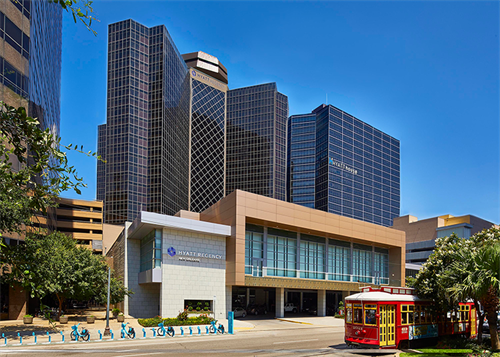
(295, 322)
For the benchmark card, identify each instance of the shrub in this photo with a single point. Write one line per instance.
(115, 311)
(190, 308)
(28, 315)
(183, 316)
(340, 316)
(203, 319)
(205, 308)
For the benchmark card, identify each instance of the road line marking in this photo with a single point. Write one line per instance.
(142, 354)
(280, 343)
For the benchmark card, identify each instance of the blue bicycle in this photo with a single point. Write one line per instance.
(162, 330)
(215, 329)
(83, 334)
(130, 332)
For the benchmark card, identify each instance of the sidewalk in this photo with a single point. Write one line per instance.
(11, 328)
(315, 320)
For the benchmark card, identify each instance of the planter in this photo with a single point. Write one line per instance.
(120, 318)
(90, 319)
(63, 319)
(28, 320)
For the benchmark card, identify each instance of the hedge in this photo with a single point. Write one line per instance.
(153, 322)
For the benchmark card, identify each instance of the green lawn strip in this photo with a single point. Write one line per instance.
(443, 350)
(413, 354)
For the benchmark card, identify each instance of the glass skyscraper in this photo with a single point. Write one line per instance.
(256, 140)
(165, 132)
(339, 164)
(147, 128)
(30, 63)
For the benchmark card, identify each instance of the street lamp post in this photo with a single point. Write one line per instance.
(106, 330)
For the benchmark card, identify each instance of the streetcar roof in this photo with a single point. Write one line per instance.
(381, 296)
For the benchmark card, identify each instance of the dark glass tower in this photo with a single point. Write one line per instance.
(164, 139)
(357, 172)
(256, 140)
(208, 140)
(146, 142)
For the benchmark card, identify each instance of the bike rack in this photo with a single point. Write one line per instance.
(112, 335)
(144, 332)
(34, 337)
(154, 332)
(100, 335)
(199, 330)
(62, 337)
(207, 329)
(20, 338)
(182, 331)
(190, 331)
(5, 338)
(50, 337)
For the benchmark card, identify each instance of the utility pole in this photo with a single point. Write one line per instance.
(106, 330)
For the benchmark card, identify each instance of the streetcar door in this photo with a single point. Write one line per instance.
(387, 325)
(473, 323)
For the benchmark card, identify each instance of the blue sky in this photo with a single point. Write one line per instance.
(426, 73)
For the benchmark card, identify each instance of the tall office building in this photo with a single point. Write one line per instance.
(30, 76)
(30, 58)
(208, 83)
(256, 140)
(164, 137)
(339, 164)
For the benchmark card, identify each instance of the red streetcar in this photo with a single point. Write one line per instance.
(393, 317)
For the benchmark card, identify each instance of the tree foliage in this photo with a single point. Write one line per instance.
(33, 169)
(80, 10)
(465, 269)
(53, 265)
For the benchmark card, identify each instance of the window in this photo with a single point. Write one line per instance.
(381, 266)
(151, 250)
(362, 263)
(312, 257)
(348, 316)
(339, 259)
(464, 312)
(370, 314)
(281, 253)
(407, 314)
(254, 246)
(358, 314)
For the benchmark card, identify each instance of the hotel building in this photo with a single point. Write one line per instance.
(341, 165)
(248, 249)
(256, 140)
(164, 137)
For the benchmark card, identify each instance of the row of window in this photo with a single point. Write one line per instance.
(13, 79)
(14, 36)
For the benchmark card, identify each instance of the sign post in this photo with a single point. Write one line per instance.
(230, 322)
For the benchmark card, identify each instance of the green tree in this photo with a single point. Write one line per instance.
(53, 264)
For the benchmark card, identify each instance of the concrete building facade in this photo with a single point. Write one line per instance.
(421, 235)
(250, 250)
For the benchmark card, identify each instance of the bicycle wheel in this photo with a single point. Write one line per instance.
(221, 329)
(161, 331)
(73, 336)
(86, 336)
(212, 329)
(132, 334)
(171, 332)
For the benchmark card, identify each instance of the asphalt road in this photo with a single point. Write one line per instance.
(268, 338)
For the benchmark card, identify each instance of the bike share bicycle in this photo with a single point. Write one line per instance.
(214, 328)
(83, 334)
(130, 332)
(162, 330)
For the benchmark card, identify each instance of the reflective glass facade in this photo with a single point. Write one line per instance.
(357, 167)
(30, 65)
(146, 142)
(275, 252)
(208, 140)
(256, 140)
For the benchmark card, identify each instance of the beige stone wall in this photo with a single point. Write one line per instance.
(418, 231)
(242, 207)
(110, 233)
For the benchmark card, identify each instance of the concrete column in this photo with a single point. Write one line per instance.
(280, 302)
(248, 297)
(301, 301)
(229, 299)
(321, 303)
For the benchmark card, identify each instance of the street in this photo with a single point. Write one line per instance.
(268, 338)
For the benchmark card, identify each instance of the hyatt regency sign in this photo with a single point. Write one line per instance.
(191, 256)
(343, 166)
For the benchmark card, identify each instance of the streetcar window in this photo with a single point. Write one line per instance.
(349, 313)
(407, 314)
(370, 312)
(358, 314)
(464, 312)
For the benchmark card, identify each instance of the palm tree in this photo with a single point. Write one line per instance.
(476, 275)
